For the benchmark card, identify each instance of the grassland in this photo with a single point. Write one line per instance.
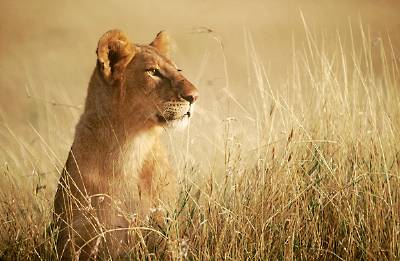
(305, 166)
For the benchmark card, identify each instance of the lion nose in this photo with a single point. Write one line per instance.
(191, 98)
(189, 92)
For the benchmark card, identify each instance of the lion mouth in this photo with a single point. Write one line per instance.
(170, 118)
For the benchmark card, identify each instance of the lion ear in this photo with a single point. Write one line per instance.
(162, 43)
(114, 52)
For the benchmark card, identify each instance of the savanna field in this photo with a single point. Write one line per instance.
(293, 150)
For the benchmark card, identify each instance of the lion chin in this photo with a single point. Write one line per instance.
(179, 124)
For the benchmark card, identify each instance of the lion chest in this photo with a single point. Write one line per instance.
(134, 154)
(125, 187)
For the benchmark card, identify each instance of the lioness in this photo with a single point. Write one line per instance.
(116, 161)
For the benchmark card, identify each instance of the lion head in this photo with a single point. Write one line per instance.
(147, 87)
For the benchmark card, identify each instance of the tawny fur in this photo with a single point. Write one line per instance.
(116, 170)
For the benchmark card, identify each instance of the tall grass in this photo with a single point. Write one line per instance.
(308, 169)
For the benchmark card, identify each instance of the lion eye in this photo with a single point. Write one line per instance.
(153, 71)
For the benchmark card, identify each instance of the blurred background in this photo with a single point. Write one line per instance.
(47, 53)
